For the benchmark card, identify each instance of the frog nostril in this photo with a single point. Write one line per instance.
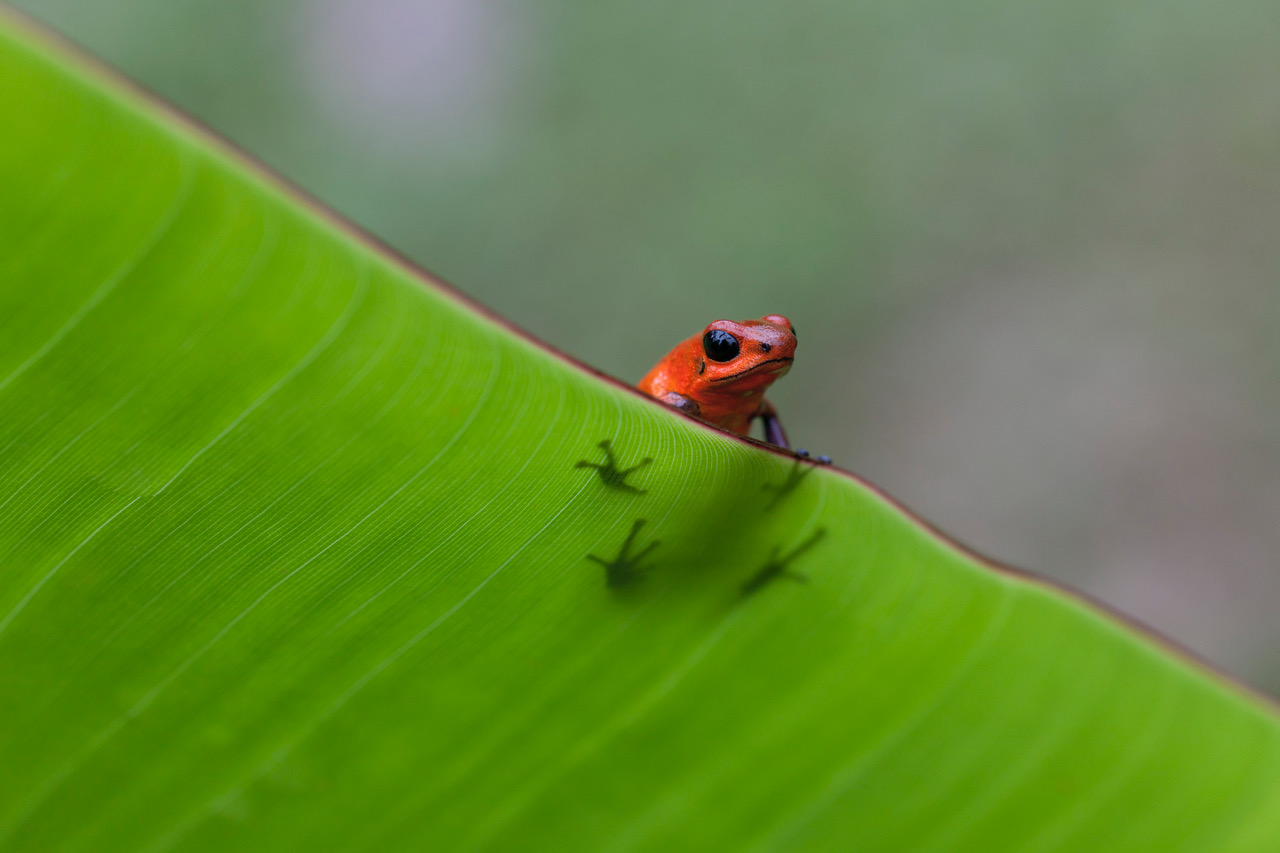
(765, 347)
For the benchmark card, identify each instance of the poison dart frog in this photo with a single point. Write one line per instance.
(721, 374)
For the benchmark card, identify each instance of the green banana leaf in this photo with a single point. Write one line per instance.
(300, 550)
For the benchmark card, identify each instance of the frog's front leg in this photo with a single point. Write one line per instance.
(773, 431)
(688, 405)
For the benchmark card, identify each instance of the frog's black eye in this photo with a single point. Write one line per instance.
(719, 345)
(793, 331)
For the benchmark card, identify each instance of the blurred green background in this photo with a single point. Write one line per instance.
(1032, 249)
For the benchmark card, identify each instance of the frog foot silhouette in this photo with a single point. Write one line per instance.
(610, 474)
(778, 566)
(795, 474)
(625, 569)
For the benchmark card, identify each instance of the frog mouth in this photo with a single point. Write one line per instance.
(759, 368)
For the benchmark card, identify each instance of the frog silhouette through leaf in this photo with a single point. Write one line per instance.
(777, 566)
(795, 474)
(625, 570)
(610, 474)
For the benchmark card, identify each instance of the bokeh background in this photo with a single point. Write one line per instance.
(1032, 249)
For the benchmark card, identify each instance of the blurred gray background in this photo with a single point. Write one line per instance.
(1032, 249)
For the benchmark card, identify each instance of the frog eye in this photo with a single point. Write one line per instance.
(719, 345)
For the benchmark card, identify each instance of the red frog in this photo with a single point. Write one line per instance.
(721, 374)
